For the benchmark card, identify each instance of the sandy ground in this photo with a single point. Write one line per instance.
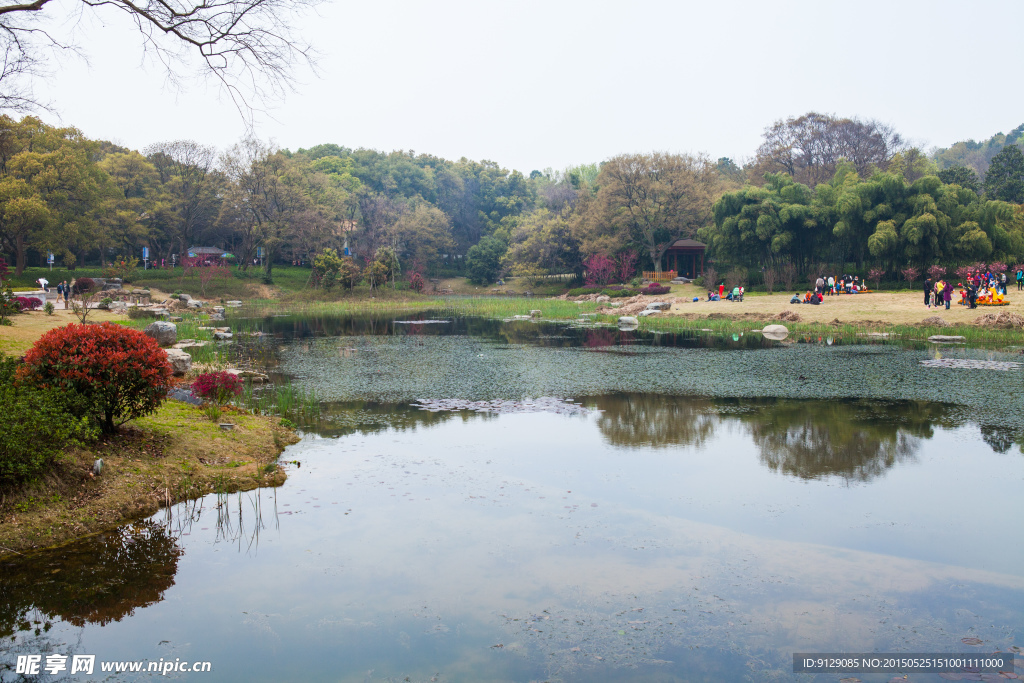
(17, 338)
(897, 308)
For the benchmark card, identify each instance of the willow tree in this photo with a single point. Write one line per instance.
(656, 198)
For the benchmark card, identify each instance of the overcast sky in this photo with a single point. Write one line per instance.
(536, 84)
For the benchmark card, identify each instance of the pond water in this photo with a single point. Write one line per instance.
(486, 501)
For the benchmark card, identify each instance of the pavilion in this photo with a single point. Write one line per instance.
(686, 257)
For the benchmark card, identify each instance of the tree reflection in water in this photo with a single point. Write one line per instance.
(99, 580)
(856, 440)
(654, 421)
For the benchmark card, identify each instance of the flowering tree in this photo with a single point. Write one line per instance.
(936, 271)
(875, 275)
(910, 274)
(600, 270)
(206, 269)
(626, 265)
(997, 267)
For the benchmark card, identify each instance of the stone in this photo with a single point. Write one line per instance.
(935, 321)
(603, 298)
(234, 304)
(165, 333)
(174, 319)
(256, 377)
(185, 297)
(628, 320)
(195, 303)
(946, 339)
(179, 394)
(776, 332)
(218, 309)
(222, 336)
(648, 311)
(217, 316)
(191, 344)
(535, 313)
(659, 306)
(179, 360)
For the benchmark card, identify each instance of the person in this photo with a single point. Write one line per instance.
(1002, 282)
(741, 292)
(819, 284)
(67, 294)
(796, 299)
(60, 291)
(831, 285)
(927, 291)
(1020, 278)
(43, 282)
(972, 295)
(947, 293)
(815, 299)
(735, 294)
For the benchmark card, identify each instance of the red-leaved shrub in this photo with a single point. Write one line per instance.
(655, 289)
(120, 373)
(600, 270)
(27, 303)
(217, 386)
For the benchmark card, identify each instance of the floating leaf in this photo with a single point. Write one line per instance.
(971, 641)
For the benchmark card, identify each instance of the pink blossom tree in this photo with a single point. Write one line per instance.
(600, 270)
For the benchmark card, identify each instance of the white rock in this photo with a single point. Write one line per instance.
(535, 313)
(776, 332)
(628, 320)
(659, 306)
(649, 311)
(179, 360)
(222, 336)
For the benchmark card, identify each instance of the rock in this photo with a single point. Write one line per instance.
(935, 321)
(185, 396)
(659, 306)
(97, 467)
(628, 320)
(179, 360)
(946, 339)
(234, 304)
(195, 303)
(165, 333)
(603, 298)
(256, 377)
(190, 344)
(535, 313)
(185, 297)
(140, 292)
(118, 306)
(222, 336)
(776, 332)
(217, 316)
(218, 309)
(174, 319)
(648, 311)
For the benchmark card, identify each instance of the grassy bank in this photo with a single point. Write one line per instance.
(713, 318)
(173, 455)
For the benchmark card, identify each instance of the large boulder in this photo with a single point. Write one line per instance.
(659, 306)
(165, 333)
(179, 360)
(776, 332)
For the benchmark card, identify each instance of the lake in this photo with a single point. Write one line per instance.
(523, 501)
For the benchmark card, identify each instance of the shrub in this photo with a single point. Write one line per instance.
(34, 431)
(83, 285)
(219, 387)
(122, 373)
(48, 308)
(27, 303)
(654, 289)
(416, 282)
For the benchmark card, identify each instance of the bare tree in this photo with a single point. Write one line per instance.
(249, 46)
(186, 170)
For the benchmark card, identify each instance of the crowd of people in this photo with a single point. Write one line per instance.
(981, 288)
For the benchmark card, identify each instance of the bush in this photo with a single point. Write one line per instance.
(654, 289)
(122, 373)
(618, 293)
(83, 285)
(27, 303)
(48, 308)
(416, 282)
(219, 387)
(34, 431)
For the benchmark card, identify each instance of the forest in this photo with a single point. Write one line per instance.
(820, 189)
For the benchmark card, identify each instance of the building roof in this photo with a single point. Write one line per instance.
(692, 244)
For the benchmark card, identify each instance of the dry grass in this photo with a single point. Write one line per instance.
(173, 455)
(881, 308)
(17, 338)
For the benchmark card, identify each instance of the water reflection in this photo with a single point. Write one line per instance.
(854, 439)
(102, 579)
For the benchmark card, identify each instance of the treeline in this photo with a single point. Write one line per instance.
(821, 189)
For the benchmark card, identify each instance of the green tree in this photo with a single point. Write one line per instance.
(1004, 180)
(962, 176)
(483, 260)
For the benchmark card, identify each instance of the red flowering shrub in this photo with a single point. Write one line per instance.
(27, 303)
(83, 285)
(600, 269)
(217, 386)
(654, 289)
(121, 373)
(416, 282)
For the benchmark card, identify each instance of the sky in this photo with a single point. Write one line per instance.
(549, 84)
